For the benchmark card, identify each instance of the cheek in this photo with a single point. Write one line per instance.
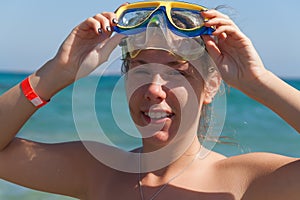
(180, 94)
(187, 109)
(133, 89)
(134, 95)
(198, 88)
(188, 91)
(190, 99)
(134, 104)
(187, 102)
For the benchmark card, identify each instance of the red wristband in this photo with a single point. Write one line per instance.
(31, 95)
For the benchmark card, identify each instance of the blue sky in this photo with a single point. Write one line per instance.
(32, 30)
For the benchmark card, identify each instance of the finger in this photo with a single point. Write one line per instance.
(90, 23)
(212, 47)
(109, 46)
(103, 23)
(222, 23)
(228, 30)
(218, 22)
(98, 55)
(112, 17)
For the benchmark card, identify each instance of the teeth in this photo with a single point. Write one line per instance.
(157, 115)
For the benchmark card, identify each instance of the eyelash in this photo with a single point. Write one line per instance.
(173, 72)
(141, 71)
(177, 72)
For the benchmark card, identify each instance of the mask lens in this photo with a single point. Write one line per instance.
(135, 17)
(183, 19)
(186, 19)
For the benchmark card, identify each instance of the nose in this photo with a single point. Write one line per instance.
(155, 90)
(158, 18)
(155, 21)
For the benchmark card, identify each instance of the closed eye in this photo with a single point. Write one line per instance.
(177, 72)
(177, 63)
(135, 63)
(141, 71)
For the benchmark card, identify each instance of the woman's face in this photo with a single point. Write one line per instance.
(165, 95)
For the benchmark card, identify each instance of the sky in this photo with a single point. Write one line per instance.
(32, 30)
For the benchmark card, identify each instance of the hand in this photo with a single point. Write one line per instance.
(88, 46)
(233, 53)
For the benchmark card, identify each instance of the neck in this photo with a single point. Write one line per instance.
(162, 175)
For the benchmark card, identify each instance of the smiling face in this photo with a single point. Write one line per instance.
(165, 95)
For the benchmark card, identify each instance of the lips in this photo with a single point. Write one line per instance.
(156, 115)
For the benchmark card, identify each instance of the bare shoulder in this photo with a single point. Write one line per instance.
(258, 160)
(64, 168)
(255, 165)
(263, 175)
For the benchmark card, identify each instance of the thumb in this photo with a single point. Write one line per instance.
(212, 48)
(105, 48)
(99, 55)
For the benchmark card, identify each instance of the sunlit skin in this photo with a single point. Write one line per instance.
(70, 169)
(158, 79)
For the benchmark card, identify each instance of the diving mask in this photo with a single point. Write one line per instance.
(157, 35)
(184, 19)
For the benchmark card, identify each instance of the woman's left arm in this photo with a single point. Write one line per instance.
(276, 94)
(241, 67)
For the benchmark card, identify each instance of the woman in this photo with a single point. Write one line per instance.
(69, 169)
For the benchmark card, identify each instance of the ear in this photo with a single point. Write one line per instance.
(211, 87)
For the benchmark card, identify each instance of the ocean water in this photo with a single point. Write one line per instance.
(249, 126)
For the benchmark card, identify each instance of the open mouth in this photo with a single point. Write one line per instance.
(157, 116)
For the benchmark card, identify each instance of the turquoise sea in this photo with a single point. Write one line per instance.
(251, 126)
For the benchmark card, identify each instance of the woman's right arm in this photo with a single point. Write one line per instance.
(83, 50)
(56, 168)
(16, 109)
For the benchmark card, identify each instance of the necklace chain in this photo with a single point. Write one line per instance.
(167, 183)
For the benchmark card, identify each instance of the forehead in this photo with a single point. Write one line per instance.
(163, 57)
(154, 59)
(156, 55)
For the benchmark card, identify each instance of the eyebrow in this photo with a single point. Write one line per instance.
(176, 62)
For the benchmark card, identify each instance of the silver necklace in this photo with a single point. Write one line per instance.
(167, 183)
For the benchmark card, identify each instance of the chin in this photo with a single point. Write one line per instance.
(162, 136)
(159, 139)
